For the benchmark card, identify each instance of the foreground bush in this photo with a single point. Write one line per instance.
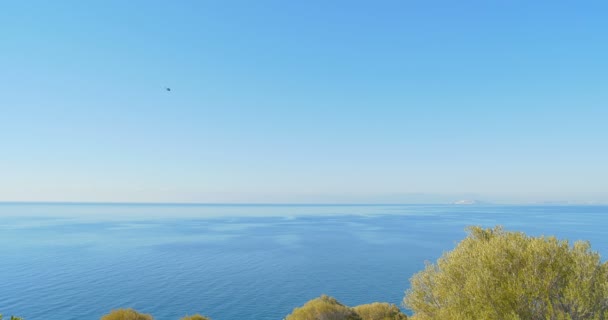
(12, 318)
(194, 317)
(328, 308)
(379, 311)
(130, 314)
(325, 308)
(126, 314)
(494, 274)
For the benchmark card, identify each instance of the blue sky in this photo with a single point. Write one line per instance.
(303, 101)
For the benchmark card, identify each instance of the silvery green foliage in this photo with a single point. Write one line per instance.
(495, 274)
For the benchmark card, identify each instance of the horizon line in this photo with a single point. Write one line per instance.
(481, 203)
(219, 203)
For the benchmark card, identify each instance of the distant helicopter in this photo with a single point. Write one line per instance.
(167, 89)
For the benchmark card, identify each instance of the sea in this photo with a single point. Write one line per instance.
(232, 262)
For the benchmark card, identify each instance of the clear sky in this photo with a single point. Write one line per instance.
(303, 101)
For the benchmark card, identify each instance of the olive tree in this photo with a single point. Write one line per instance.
(126, 314)
(495, 274)
(379, 311)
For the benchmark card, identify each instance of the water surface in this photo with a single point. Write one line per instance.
(76, 261)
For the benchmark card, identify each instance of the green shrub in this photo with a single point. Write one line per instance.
(323, 308)
(494, 274)
(379, 311)
(126, 314)
(195, 317)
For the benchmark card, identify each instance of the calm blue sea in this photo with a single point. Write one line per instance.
(78, 261)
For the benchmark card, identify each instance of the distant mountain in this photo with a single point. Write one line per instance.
(468, 202)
